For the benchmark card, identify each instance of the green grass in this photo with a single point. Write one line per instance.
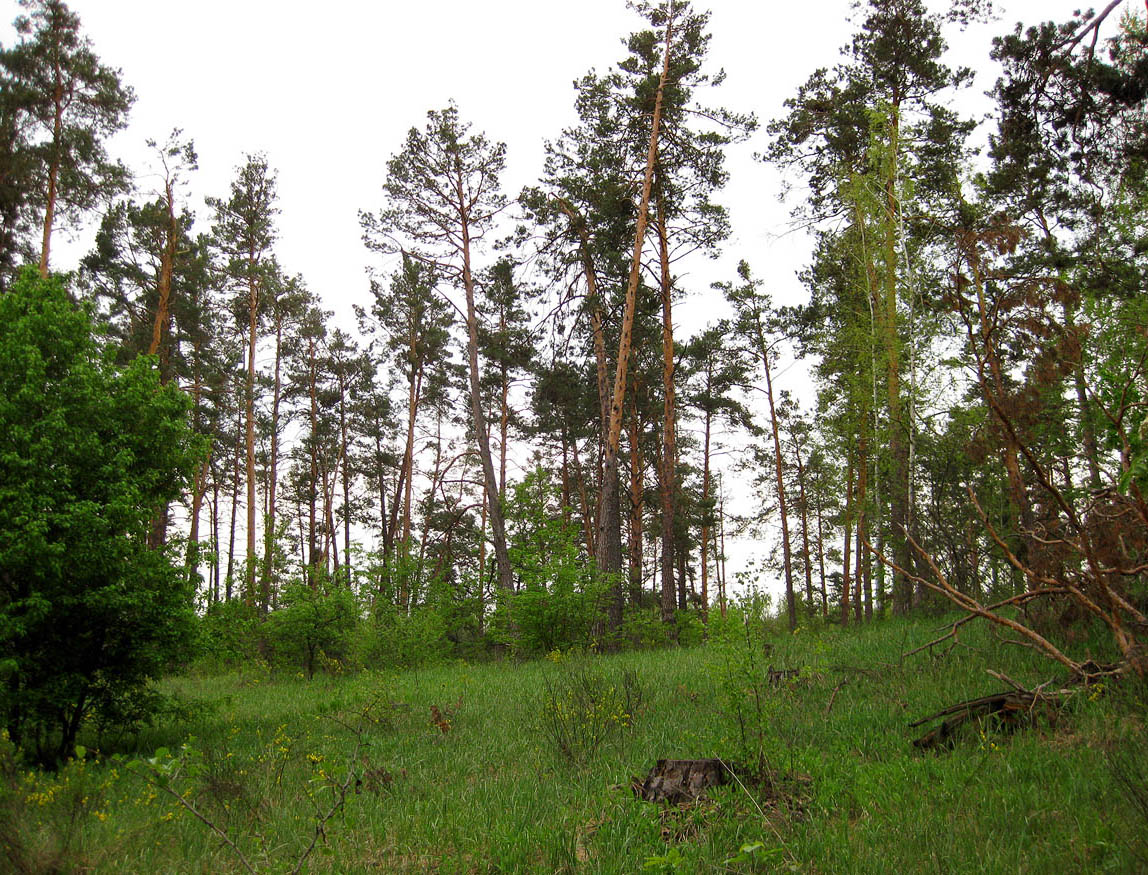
(495, 794)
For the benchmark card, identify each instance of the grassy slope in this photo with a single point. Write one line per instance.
(493, 794)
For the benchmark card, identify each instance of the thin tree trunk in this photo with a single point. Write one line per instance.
(790, 598)
(234, 508)
(859, 503)
(821, 557)
(273, 475)
(252, 336)
(637, 495)
(848, 544)
(720, 566)
(481, 433)
(804, 528)
(346, 478)
(668, 479)
(705, 518)
(313, 484)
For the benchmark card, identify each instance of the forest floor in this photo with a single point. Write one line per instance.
(528, 767)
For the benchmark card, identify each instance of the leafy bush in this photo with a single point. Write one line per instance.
(561, 595)
(229, 637)
(314, 625)
(89, 454)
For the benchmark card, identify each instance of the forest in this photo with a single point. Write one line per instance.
(511, 455)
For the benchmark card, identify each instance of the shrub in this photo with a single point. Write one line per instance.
(561, 594)
(313, 625)
(585, 708)
(89, 454)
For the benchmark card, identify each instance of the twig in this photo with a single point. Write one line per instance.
(833, 695)
(206, 821)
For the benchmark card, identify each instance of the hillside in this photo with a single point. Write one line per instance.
(527, 768)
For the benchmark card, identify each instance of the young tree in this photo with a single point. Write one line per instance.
(715, 370)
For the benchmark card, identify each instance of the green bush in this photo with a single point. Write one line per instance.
(229, 637)
(90, 613)
(560, 595)
(314, 626)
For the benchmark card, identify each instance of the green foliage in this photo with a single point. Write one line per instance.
(560, 593)
(314, 625)
(89, 614)
(229, 637)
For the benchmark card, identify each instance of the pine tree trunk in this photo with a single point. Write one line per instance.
(705, 518)
(313, 485)
(478, 417)
(637, 499)
(804, 529)
(272, 476)
(779, 470)
(668, 480)
(609, 550)
(252, 329)
(846, 568)
(53, 173)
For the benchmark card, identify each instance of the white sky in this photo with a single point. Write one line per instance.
(328, 92)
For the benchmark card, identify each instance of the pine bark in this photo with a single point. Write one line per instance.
(609, 550)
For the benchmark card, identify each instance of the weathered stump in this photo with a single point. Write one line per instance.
(677, 781)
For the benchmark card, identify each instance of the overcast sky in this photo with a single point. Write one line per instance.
(329, 90)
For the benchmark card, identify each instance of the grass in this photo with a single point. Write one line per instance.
(494, 792)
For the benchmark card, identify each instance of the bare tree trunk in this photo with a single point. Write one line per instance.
(705, 518)
(845, 565)
(252, 336)
(804, 528)
(481, 434)
(637, 500)
(234, 508)
(719, 569)
(790, 598)
(344, 444)
(273, 475)
(668, 479)
(58, 96)
(821, 557)
(609, 552)
(313, 485)
(859, 502)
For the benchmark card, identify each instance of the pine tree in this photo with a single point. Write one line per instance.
(67, 104)
(244, 233)
(442, 194)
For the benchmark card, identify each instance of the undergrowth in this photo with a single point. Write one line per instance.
(528, 768)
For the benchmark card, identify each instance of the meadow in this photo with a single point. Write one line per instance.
(527, 767)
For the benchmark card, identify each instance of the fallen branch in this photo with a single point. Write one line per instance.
(1011, 708)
